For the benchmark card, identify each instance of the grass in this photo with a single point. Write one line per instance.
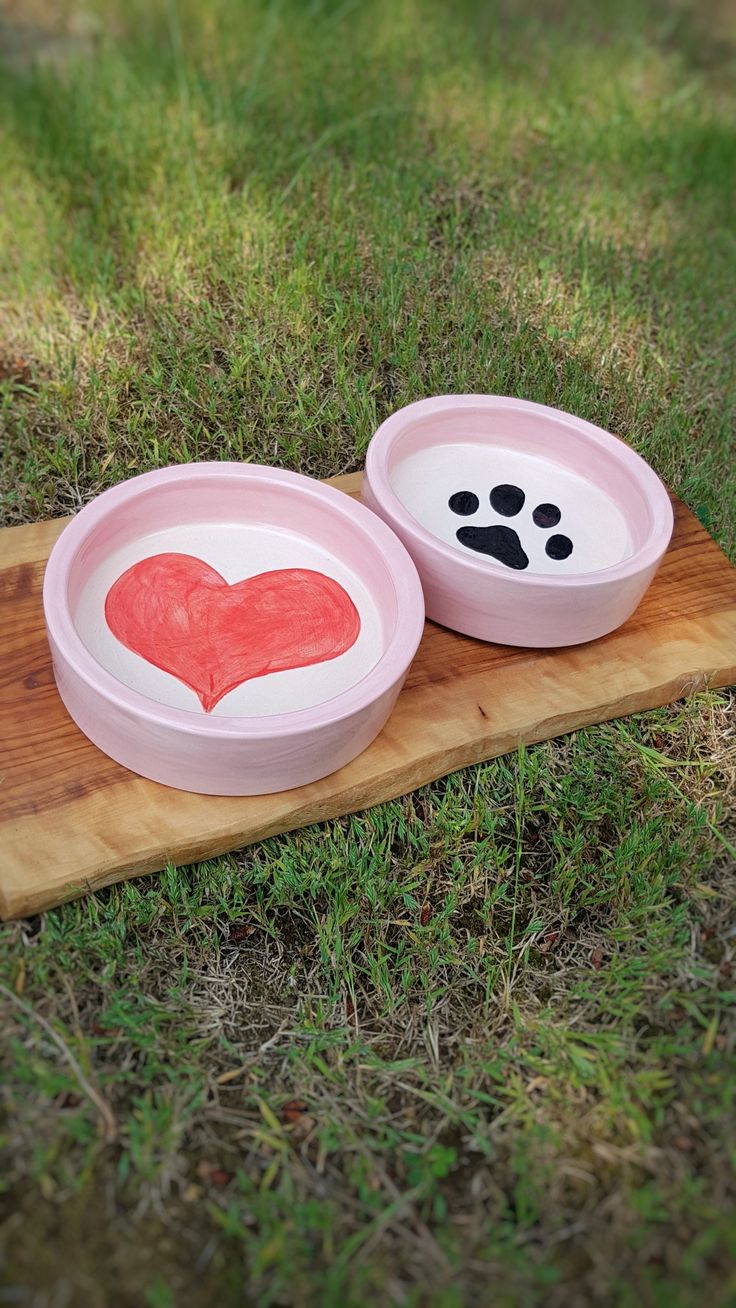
(475, 1046)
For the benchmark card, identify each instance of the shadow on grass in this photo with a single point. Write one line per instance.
(291, 244)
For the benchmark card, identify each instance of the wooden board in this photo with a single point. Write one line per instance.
(71, 820)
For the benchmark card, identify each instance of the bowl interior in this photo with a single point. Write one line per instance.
(526, 490)
(233, 596)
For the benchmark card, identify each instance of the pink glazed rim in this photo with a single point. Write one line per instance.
(377, 472)
(390, 667)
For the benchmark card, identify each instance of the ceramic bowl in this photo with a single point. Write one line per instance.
(230, 629)
(528, 526)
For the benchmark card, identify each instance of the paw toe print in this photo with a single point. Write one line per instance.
(499, 541)
(546, 515)
(558, 547)
(507, 500)
(464, 503)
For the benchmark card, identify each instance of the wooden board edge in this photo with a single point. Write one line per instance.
(394, 785)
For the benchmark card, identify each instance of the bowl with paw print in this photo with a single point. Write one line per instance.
(528, 526)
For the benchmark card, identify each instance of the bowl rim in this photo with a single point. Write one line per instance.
(391, 665)
(652, 487)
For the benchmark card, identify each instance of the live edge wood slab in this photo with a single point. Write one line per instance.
(72, 821)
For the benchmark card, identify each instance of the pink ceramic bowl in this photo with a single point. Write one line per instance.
(230, 629)
(528, 526)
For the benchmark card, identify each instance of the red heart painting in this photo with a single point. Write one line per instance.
(181, 615)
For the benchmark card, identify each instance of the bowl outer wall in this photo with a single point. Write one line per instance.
(227, 765)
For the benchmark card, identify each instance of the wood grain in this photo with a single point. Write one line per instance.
(72, 821)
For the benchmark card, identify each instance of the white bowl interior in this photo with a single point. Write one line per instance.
(240, 528)
(530, 493)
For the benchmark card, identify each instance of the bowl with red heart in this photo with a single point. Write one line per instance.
(528, 526)
(228, 628)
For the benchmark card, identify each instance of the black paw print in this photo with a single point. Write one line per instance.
(502, 543)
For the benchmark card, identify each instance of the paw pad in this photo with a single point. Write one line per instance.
(499, 541)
